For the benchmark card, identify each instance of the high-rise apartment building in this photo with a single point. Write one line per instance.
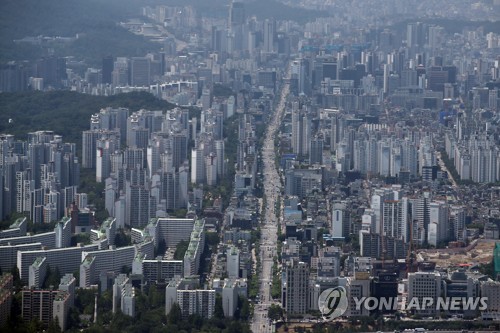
(195, 249)
(37, 273)
(316, 151)
(301, 133)
(438, 229)
(233, 262)
(457, 221)
(45, 305)
(190, 299)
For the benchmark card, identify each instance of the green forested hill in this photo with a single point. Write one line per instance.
(96, 23)
(64, 112)
(95, 20)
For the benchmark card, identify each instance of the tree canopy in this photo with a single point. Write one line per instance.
(94, 21)
(181, 249)
(66, 113)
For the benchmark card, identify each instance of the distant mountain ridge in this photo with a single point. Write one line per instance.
(97, 21)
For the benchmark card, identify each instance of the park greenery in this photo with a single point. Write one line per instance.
(122, 238)
(254, 279)
(451, 168)
(276, 283)
(66, 113)
(180, 249)
(275, 312)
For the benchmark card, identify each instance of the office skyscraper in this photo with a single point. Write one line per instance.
(237, 13)
(120, 74)
(52, 70)
(438, 223)
(316, 151)
(107, 69)
(89, 141)
(295, 288)
(236, 35)
(178, 144)
(301, 133)
(140, 71)
(269, 31)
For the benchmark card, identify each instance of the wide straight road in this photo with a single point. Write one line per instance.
(269, 225)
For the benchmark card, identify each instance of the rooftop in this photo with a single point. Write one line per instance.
(88, 260)
(140, 256)
(17, 223)
(107, 223)
(67, 279)
(199, 226)
(61, 296)
(121, 279)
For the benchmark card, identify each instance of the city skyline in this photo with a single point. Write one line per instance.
(231, 164)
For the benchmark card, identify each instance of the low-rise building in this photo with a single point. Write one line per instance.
(491, 290)
(423, 285)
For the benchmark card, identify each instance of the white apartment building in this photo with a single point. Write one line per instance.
(229, 297)
(123, 295)
(127, 302)
(340, 218)
(195, 249)
(67, 260)
(68, 284)
(111, 260)
(173, 230)
(438, 223)
(233, 262)
(37, 272)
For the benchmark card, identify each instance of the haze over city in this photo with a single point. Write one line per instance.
(249, 166)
